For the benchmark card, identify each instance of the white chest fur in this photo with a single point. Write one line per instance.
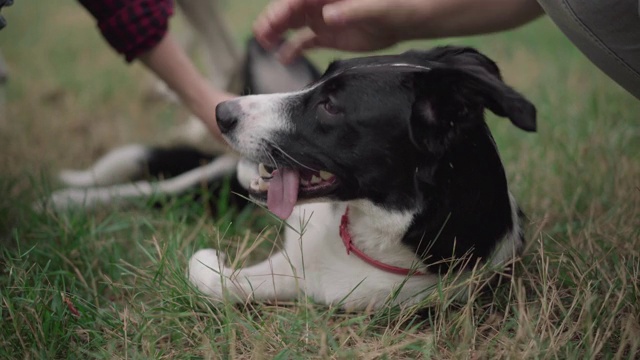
(314, 262)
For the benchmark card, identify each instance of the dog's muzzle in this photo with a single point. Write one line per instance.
(227, 113)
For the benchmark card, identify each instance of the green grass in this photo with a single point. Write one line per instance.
(111, 283)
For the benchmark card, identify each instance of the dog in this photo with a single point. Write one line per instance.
(388, 177)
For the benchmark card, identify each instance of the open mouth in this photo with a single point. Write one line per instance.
(282, 187)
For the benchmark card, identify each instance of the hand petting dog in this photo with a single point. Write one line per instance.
(366, 25)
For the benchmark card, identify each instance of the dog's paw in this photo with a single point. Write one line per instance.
(77, 178)
(207, 272)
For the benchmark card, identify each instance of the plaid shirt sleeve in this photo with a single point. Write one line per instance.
(131, 27)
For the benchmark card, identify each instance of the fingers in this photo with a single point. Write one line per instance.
(282, 15)
(303, 40)
(278, 17)
(341, 13)
(325, 23)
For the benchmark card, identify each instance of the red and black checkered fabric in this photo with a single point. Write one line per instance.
(131, 27)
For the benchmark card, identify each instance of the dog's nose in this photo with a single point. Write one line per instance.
(227, 113)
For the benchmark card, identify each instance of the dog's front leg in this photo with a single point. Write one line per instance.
(273, 279)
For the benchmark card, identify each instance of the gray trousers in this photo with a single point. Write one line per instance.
(607, 32)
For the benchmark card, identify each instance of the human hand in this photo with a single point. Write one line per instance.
(169, 61)
(350, 25)
(366, 25)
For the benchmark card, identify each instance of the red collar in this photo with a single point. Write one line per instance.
(348, 243)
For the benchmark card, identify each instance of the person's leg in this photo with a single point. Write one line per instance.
(607, 32)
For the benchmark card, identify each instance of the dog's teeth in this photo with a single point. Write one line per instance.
(255, 185)
(325, 175)
(304, 182)
(262, 170)
(262, 185)
(315, 180)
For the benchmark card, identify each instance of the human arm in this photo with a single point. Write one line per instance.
(169, 61)
(138, 29)
(366, 25)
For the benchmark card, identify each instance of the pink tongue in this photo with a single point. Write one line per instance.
(283, 192)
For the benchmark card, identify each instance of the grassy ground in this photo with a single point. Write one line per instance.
(110, 284)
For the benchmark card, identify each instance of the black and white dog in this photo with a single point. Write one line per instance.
(388, 176)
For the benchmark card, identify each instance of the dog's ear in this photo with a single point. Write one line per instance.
(264, 74)
(450, 98)
(478, 84)
(457, 56)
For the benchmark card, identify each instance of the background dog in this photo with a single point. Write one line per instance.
(139, 171)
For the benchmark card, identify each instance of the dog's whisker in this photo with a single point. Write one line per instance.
(273, 160)
(275, 146)
(268, 155)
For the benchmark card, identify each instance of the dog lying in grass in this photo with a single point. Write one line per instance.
(387, 174)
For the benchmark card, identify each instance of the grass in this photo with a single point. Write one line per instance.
(111, 284)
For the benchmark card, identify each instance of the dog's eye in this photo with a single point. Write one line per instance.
(330, 107)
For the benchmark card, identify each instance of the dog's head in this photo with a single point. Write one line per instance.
(363, 130)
